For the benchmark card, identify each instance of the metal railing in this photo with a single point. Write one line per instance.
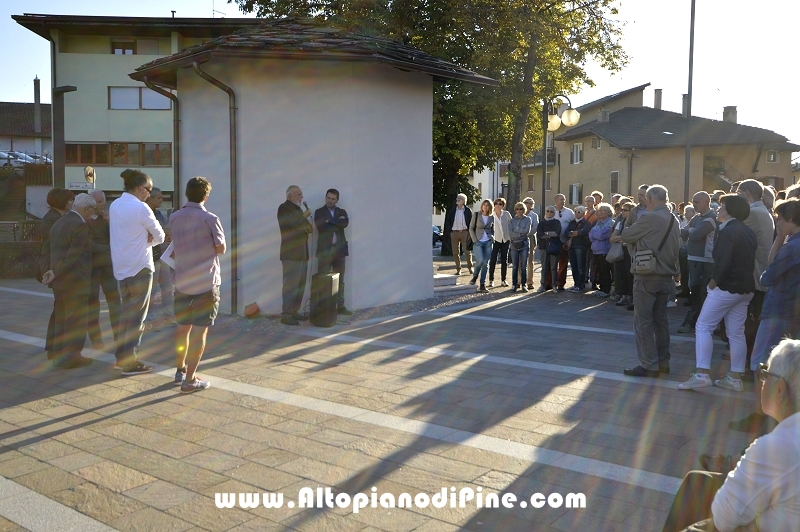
(537, 157)
(21, 231)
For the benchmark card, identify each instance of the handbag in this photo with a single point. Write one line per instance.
(471, 244)
(616, 253)
(644, 261)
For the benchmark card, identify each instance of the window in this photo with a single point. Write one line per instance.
(120, 154)
(576, 153)
(548, 187)
(121, 47)
(95, 154)
(137, 98)
(596, 143)
(773, 156)
(157, 154)
(614, 182)
(575, 194)
(531, 181)
(134, 47)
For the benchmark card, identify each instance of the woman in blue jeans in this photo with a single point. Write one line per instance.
(780, 314)
(519, 229)
(481, 231)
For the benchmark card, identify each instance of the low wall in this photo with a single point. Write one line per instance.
(18, 259)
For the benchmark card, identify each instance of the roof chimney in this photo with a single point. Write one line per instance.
(657, 99)
(685, 105)
(37, 107)
(602, 114)
(729, 114)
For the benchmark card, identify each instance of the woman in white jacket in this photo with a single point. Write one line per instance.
(502, 239)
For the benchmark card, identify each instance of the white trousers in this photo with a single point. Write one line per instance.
(732, 308)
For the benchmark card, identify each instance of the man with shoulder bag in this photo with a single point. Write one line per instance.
(655, 238)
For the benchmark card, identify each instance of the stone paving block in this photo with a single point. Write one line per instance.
(325, 474)
(21, 465)
(214, 460)
(161, 495)
(97, 502)
(49, 480)
(78, 460)
(390, 519)
(264, 477)
(97, 444)
(333, 437)
(231, 444)
(259, 524)
(148, 519)
(290, 426)
(114, 476)
(271, 457)
(202, 511)
(207, 419)
(8, 526)
(47, 450)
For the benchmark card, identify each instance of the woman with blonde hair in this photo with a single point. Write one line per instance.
(481, 231)
(520, 228)
(502, 239)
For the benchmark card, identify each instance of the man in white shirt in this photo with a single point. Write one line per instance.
(564, 215)
(134, 230)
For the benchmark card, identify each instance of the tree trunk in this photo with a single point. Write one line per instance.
(520, 125)
(451, 188)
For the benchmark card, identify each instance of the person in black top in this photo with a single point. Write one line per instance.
(60, 201)
(102, 273)
(729, 292)
(332, 244)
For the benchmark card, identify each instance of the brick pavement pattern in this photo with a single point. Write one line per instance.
(509, 396)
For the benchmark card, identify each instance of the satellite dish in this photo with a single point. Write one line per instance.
(88, 173)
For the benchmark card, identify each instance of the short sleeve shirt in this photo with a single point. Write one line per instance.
(195, 233)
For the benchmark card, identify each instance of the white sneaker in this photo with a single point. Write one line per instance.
(730, 383)
(491, 283)
(697, 380)
(672, 304)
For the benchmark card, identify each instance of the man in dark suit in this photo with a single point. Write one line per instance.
(332, 245)
(102, 273)
(295, 228)
(70, 276)
(60, 201)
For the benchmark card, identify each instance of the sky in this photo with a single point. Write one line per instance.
(743, 56)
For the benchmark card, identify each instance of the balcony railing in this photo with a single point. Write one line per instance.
(536, 160)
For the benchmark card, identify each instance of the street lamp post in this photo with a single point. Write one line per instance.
(551, 122)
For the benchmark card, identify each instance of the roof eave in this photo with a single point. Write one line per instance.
(165, 73)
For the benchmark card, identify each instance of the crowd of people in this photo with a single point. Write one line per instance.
(86, 247)
(737, 258)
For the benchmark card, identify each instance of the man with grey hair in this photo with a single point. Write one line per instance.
(701, 234)
(294, 225)
(70, 276)
(530, 204)
(102, 273)
(456, 226)
(761, 221)
(656, 230)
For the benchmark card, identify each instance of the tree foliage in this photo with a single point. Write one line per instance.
(535, 48)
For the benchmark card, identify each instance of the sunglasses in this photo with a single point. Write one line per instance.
(763, 373)
(519, 209)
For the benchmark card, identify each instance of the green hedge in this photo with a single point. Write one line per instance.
(18, 259)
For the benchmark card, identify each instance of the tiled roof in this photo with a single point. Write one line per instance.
(16, 119)
(606, 99)
(307, 39)
(645, 127)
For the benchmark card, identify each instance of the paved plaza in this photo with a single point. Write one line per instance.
(520, 395)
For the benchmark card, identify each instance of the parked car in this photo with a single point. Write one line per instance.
(41, 159)
(437, 235)
(23, 157)
(7, 159)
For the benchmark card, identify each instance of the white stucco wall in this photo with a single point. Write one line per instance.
(363, 129)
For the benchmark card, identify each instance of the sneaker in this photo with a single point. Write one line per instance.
(623, 302)
(197, 385)
(530, 286)
(601, 294)
(697, 380)
(524, 288)
(504, 283)
(179, 376)
(458, 272)
(482, 288)
(672, 304)
(730, 383)
(686, 328)
(615, 297)
(473, 280)
(541, 290)
(514, 288)
(137, 368)
(491, 284)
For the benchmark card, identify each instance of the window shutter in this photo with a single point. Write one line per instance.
(572, 155)
(580, 153)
